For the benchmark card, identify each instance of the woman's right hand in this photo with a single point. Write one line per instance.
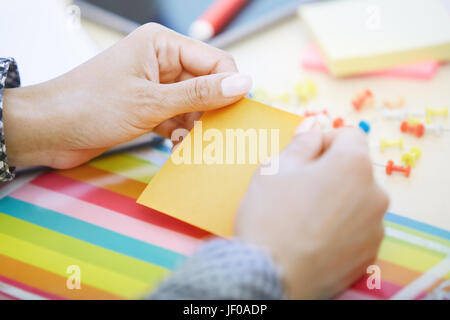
(320, 217)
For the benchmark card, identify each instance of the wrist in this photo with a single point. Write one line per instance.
(26, 125)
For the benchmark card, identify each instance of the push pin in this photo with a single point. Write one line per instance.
(338, 123)
(305, 90)
(393, 143)
(316, 113)
(365, 126)
(391, 167)
(260, 95)
(398, 114)
(418, 130)
(409, 159)
(283, 97)
(400, 103)
(363, 99)
(413, 121)
(429, 112)
(435, 129)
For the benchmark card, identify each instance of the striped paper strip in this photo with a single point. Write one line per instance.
(88, 217)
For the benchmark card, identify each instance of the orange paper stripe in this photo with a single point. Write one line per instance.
(49, 282)
(396, 274)
(106, 180)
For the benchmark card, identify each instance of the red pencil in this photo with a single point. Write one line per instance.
(215, 18)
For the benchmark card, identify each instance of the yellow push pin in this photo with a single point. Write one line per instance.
(284, 97)
(413, 121)
(409, 159)
(305, 90)
(400, 103)
(392, 143)
(260, 95)
(435, 112)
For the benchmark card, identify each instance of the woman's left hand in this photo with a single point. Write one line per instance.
(153, 80)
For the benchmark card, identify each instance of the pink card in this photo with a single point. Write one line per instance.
(312, 59)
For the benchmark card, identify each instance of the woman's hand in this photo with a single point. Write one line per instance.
(153, 80)
(321, 216)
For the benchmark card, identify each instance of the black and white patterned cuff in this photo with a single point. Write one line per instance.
(224, 270)
(9, 78)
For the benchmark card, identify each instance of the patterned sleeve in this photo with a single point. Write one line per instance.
(224, 270)
(9, 78)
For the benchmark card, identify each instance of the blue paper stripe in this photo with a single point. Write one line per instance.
(90, 233)
(414, 224)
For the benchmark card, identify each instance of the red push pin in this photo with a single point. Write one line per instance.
(418, 129)
(362, 99)
(313, 113)
(391, 168)
(338, 123)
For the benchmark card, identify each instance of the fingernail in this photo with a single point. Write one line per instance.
(307, 125)
(236, 85)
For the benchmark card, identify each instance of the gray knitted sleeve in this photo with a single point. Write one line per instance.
(224, 270)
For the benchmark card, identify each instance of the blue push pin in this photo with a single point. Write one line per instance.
(250, 95)
(364, 126)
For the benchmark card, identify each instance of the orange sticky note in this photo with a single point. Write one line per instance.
(205, 179)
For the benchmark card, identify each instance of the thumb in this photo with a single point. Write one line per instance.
(204, 93)
(306, 145)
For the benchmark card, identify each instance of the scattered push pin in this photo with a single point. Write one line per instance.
(435, 129)
(393, 143)
(391, 167)
(363, 99)
(365, 126)
(400, 103)
(338, 123)
(260, 95)
(305, 90)
(418, 130)
(414, 121)
(282, 97)
(316, 113)
(398, 114)
(409, 159)
(429, 113)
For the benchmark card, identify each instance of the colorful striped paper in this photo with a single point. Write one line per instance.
(88, 217)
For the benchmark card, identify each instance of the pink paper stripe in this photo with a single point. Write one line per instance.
(115, 202)
(107, 219)
(312, 59)
(388, 289)
(351, 294)
(29, 289)
(5, 296)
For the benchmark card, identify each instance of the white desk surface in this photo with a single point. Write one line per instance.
(272, 58)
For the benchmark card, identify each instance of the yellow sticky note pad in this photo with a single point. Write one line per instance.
(205, 179)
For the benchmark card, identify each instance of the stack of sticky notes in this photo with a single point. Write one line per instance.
(360, 36)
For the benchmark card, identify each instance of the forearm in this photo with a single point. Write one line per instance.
(224, 269)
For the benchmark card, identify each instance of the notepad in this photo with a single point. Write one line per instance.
(205, 180)
(358, 36)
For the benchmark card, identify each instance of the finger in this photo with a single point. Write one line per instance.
(306, 145)
(345, 139)
(199, 58)
(201, 93)
(196, 57)
(166, 128)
